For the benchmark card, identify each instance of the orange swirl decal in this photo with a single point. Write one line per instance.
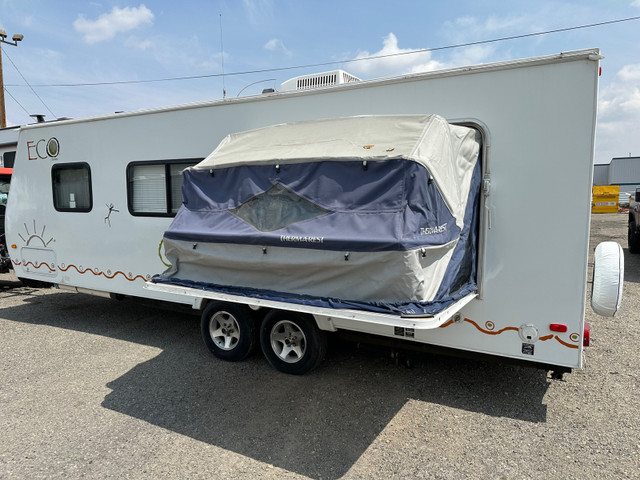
(38, 265)
(515, 329)
(96, 272)
(565, 343)
(489, 332)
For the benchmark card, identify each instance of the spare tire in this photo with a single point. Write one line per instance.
(608, 276)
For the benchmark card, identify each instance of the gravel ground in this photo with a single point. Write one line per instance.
(93, 388)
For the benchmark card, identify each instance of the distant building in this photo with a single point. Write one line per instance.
(623, 171)
(601, 174)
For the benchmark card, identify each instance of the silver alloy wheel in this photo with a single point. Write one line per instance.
(224, 330)
(288, 341)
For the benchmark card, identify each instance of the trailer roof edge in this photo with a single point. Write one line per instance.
(592, 54)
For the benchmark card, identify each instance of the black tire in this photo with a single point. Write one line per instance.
(292, 342)
(633, 238)
(229, 330)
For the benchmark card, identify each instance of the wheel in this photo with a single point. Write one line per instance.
(633, 237)
(292, 342)
(229, 330)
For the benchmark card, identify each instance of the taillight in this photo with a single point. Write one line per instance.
(586, 335)
(557, 327)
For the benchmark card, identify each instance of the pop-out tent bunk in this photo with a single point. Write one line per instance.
(378, 213)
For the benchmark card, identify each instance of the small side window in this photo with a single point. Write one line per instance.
(72, 187)
(155, 188)
(8, 159)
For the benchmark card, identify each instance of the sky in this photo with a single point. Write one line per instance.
(69, 44)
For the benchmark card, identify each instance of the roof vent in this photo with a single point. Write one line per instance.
(318, 80)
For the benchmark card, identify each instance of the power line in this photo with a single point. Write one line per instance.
(14, 99)
(340, 62)
(25, 81)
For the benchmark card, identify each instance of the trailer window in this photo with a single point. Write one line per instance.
(175, 172)
(148, 189)
(8, 159)
(72, 187)
(155, 188)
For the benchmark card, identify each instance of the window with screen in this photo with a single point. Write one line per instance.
(72, 187)
(155, 188)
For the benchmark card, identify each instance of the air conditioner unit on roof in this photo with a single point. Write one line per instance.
(317, 80)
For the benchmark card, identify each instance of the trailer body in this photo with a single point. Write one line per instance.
(92, 198)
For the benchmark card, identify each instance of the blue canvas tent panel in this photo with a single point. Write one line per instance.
(391, 205)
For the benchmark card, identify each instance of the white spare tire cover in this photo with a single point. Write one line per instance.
(608, 274)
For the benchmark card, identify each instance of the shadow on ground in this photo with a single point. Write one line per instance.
(9, 284)
(316, 425)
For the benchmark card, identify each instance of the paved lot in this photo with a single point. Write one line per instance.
(93, 388)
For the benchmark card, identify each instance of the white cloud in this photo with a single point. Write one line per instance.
(619, 116)
(272, 44)
(145, 44)
(395, 61)
(400, 61)
(472, 55)
(276, 44)
(258, 10)
(635, 3)
(630, 73)
(464, 28)
(139, 44)
(107, 25)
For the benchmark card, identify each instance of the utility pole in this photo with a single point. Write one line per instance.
(3, 39)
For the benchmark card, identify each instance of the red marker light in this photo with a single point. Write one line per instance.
(557, 327)
(586, 336)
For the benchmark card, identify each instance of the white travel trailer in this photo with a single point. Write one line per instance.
(92, 199)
